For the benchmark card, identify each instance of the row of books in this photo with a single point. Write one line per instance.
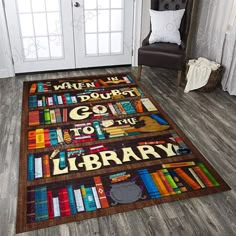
(44, 203)
(171, 181)
(57, 115)
(47, 86)
(69, 98)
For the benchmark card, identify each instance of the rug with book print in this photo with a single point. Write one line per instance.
(98, 145)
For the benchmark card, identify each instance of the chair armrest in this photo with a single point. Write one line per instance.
(146, 40)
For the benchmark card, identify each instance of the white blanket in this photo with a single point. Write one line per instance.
(199, 73)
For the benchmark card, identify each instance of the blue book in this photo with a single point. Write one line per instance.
(130, 78)
(30, 167)
(98, 130)
(41, 203)
(40, 87)
(62, 160)
(55, 99)
(53, 137)
(41, 117)
(128, 107)
(149, 183)
(68, 98)
(71, 199)
(33, 103)
(159, 119)
(89, 202)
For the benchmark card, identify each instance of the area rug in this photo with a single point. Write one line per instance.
(99, 145)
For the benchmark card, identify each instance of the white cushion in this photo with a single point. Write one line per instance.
(165, 26)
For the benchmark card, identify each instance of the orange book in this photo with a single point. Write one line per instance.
(138, 106)
(166, 183)
(46, 166)
(187, 179)
(33, 88)
(160, 185)
(202, 176)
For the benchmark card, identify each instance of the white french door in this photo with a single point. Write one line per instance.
(103, 32)
(67, 34)
(41, 34)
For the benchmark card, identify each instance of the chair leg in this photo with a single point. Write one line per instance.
(139, 71)
(179, 77)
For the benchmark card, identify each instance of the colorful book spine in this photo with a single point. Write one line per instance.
(46, 166)
(58, 115)
(171, 181)
(166, 183)
(40, 138)
(31, 139)
(149, 183)
(55, 99)
(40, 87)
(56, 207)
(50, 205)
(191, 170)
(96, 198)
(178, 164)
(49, 101)
(53, 116)
(71, 199)
(60, 135)
(41, 117)
(33, 88)
(73, 99)
(34, 118)
(33, 101)
(41, 203)
(148, 104)
(47, 117)
(159, 119)
(38, 167)
(68, 98)
(88, 198)
(44, 101)
(47, 138)
(100, 191)
(53, 137)
(62, 160)
(179, 182)
(138, 106)
(59, 99)
(64, 115)
(30, 205)
(30, 167)
(113, 111)
(203, 177)
(120, 107)
(187, 179)
(128, 107)
(160, 185)
(208, 174)
(79, 200)
(98, 130)
(64, 202)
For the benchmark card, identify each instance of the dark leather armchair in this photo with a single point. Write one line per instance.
(167, 55)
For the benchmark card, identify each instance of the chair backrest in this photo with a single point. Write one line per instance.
(164, 5)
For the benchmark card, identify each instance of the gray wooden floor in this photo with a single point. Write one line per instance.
(209, 120)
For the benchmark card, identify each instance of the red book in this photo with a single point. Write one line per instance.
(187, 179)
(100, 191)
(31, 139)
(50, 205)
(165, 182)
(203, 177)
(46, 166)
(34, 118)
(63, 98)
(64, 115)
(47, 138)
(64, 202)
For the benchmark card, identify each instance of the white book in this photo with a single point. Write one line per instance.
(148, 104)
(73, 99)
(96, 198)
(60, 136)
(50, 101)
(53, 116)
(40, 103)
(56, 207)
(38, 167)
(79, 200)
(59, 99)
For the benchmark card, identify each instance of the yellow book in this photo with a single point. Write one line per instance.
(40, 142)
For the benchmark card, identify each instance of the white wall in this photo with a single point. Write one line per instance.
(145, 19)
(6, 67)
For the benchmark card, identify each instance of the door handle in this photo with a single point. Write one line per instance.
(76, 4)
